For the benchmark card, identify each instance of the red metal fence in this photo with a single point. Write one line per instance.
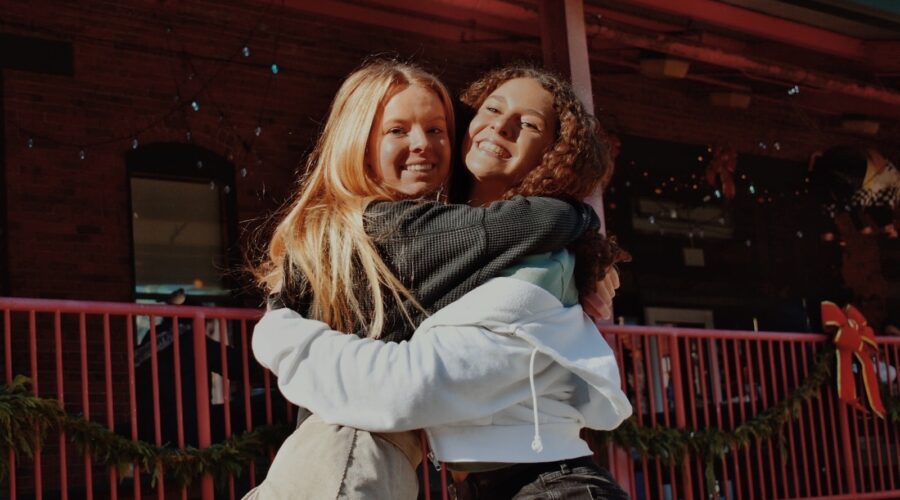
(195, 389)
(697, 379)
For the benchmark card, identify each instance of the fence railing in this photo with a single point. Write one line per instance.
(200, 385)
(698, 379)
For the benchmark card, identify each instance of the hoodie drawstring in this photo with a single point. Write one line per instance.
(536, 444)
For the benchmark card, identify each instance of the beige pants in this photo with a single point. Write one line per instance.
(326, 462)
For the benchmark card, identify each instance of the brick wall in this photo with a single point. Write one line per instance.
(68, 218)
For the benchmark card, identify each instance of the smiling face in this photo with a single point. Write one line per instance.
(409, 147)
(507, 138)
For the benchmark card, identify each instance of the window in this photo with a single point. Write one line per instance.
(182, 208)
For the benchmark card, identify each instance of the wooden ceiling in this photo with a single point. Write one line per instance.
(844, 55)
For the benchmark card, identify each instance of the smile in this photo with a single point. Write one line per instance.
(494, 150)
(420, 167)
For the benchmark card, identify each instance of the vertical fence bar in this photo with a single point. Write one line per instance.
(7, 351)
(813, 438)
(32, 348)
(179, 404)
(60, 396)
(680, 419)
(836, 440)
(638, 401)
(110, 416)
(847, 450)
(85, 401)
(651, 402)
(132, 399)
(789, 425)
(201, 377)
(739, 375)
(226, 389)
(248, 409)
(154, 385)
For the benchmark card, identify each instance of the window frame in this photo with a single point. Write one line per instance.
(178, 162)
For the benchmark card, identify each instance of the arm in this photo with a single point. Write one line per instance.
(439, 377)
(443, 251)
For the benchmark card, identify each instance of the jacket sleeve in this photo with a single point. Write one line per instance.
(523, 226)
(443, 375)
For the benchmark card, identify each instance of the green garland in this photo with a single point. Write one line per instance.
(25, 420)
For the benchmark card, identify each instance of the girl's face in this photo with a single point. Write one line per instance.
(409, 148)
(510, 133)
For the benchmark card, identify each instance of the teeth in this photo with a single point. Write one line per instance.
(493, 149)
(420, 167)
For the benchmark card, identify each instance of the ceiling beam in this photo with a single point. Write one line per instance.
(443, 19)
(783, 73)
(761, 25)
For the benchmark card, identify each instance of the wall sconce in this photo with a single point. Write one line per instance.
(860, 125)
(664, 67)
(735, 100)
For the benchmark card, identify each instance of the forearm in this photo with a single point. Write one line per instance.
(377, 386)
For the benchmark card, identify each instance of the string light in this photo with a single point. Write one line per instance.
(135, 143)
(275, 69)
(212, 185)
(257, 131)
(29, 143)
(246, 51)
(794, 90)
(199, 164)
(81, 154)
(243, 172)
(752, 189)
(195, 105)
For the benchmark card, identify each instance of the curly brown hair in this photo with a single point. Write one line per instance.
(572, 168)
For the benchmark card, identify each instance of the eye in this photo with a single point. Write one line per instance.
(435, 131)
(492, 109)
(530, 125)
(396, 131)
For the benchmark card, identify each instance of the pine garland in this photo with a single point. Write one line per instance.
(25, 420)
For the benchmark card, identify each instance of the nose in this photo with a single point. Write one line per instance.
(418, 139)
(501, 124)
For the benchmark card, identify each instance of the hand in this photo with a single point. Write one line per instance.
(598, 305)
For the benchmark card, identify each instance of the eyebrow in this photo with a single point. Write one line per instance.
(533, 111)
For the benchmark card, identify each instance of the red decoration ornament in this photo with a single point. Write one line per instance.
(854, 337)
(721, 168)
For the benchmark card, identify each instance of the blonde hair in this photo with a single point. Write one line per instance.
(322, 239)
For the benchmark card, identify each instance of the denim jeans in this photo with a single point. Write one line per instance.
(575, 479)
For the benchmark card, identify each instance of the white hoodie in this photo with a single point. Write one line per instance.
(504, 374)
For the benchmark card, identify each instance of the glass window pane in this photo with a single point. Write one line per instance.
(178, 241)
